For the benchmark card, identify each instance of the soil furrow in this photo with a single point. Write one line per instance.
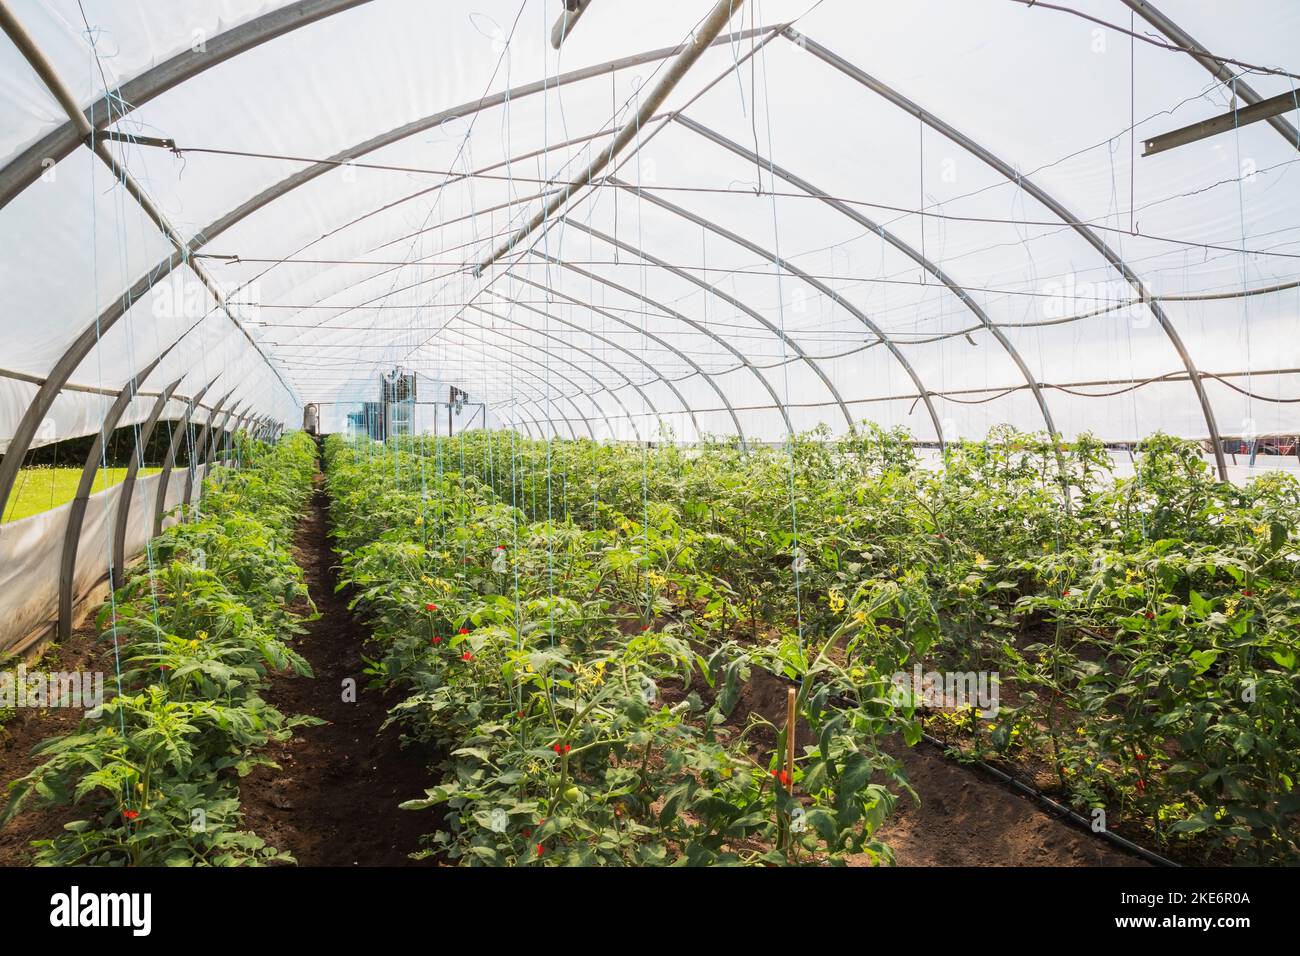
(334, 800)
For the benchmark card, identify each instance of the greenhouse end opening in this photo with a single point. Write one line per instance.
(708, 433)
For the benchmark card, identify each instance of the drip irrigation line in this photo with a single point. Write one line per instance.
(1046, 803)
(1055, 807)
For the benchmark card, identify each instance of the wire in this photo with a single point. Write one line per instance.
(1162, 44)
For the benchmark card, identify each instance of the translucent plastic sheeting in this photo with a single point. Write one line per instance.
(931, 214)
(130, 35)
(31, 550)
(76, 413)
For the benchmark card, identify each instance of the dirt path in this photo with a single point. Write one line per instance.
(334, 800)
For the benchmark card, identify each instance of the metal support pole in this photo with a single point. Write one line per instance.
(197, 451)
(77, 513)
(128, 483)
(178, 431)
(703, 39)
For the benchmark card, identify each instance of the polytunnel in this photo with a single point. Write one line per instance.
(636, 224)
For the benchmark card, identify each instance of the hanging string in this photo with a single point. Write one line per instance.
(796, 557)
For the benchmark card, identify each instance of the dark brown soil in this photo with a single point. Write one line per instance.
(334, 800)
(965, 817)
(83, 651)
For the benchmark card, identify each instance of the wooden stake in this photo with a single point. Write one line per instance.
(789, 737)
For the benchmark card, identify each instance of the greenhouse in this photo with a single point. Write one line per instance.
(699, 433)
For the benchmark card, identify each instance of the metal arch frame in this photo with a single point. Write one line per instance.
(613, 392)
(25, 168)
(669, 312)
(723, 296)
(654, 370)
(44, 69)
(77, 512)
(539, 422)
(204, 236)
(198, 448)
(499, 410)
(218, 437)
(603, 387)
(1047, 200)
(517, 405)
(672, 313)
(142, 437)
(178, 430)
(1219, 71)
(243, 42)
(26, 430)
(527, 420)
(509, 273)
(240, 425)
(645, 194)
(580, 391)
(45, 396)
(898, 243)
(541, 394)
(708, 377)
(702, 37)
(545, 393)
(214, 442)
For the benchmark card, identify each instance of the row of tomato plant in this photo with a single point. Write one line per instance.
(578, 722)
(196, 631)
(1146, 628)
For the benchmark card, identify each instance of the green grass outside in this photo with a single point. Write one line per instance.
(40, 489)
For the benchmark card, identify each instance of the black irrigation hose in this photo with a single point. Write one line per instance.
(1045, 802)
(1058, 809)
